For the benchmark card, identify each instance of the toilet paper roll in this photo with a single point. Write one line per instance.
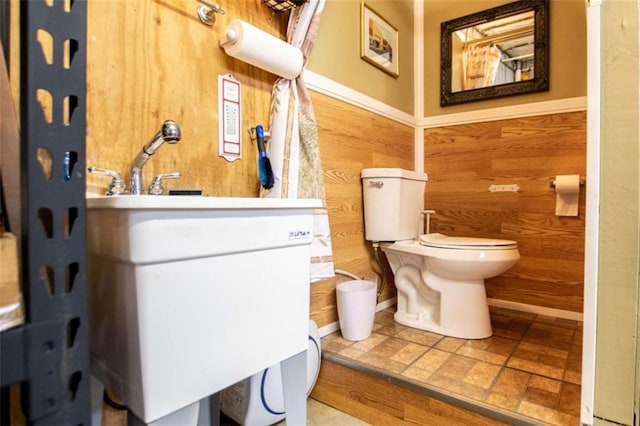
(567, 195)
(258, 48)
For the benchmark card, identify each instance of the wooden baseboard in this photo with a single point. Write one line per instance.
(378, 401)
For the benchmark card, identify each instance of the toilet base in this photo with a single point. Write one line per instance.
(459, 310)
(427, 324)
(416, 321)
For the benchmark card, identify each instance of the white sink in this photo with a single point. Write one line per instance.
(189, 295)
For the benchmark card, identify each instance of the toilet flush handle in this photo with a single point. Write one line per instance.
(376, 183)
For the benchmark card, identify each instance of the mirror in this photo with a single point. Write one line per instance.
(498, 52)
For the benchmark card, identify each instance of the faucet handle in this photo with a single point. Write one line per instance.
(156, 184)
(117, 186)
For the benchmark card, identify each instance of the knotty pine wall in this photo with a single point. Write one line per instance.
(463, 161)
(153, 60)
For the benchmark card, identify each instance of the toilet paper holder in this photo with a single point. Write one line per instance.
(552, 182)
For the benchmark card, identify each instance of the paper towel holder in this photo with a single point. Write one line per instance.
(552, 182)
(207, 12)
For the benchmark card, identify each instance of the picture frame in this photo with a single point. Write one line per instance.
(378, 41)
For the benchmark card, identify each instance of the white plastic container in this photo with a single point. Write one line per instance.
(356, 308)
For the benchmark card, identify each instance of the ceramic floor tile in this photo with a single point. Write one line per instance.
(509, 323)
(422, 337)
(548, 415)
(536, 368)
(388, 347)
(574, 365)
(450, 344)
(574, 362)
(331, 346)
(409, 353)
(530, 366)
(570, 399)
(383, 363)
(550, 336)
(334, 343)
(456, 367)
(494, 349)
(432, 360)
(368, 344)
(498, 345)
(389, 330)
(536, 361)
(418, 374)
(545, 350)
(545, 384)
(457, 386)
(499, 400)
(577, 337)
(351, 353)
(398, 350)
(574, 377)
(511, 383)
(556, 322)
(482, 374)
(385, 319)
(541, 397)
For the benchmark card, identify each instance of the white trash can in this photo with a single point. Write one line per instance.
(356, 308)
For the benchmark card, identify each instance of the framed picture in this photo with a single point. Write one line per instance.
(379, 41)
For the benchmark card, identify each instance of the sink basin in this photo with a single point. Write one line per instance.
(189, 295)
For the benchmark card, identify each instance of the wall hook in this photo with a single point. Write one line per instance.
(252, 134)
(207, 12)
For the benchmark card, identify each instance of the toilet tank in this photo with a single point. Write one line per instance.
(393, 200)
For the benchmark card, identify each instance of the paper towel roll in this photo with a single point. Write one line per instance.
(253, 46)
(567, 195)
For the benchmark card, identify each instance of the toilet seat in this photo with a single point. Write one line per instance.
(437, 240)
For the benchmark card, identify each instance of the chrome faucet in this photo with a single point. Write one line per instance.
(170, 133)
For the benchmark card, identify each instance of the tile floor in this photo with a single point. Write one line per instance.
(530, 366)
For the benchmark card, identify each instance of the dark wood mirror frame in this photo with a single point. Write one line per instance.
(539, 83)
(4, 29)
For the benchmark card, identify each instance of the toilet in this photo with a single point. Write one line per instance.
(439, 278)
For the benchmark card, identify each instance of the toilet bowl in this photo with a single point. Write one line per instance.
(439, 278)
(441, 285)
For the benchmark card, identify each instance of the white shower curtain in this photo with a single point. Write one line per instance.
(293, 147)
(481, 65)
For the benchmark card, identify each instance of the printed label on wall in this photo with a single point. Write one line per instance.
(229, 112)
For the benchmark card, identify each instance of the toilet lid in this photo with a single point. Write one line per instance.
(469, 243)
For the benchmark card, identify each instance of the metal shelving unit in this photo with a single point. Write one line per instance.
(48, 355)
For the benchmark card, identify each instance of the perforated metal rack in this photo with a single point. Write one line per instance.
(282, 5)
(49, 354)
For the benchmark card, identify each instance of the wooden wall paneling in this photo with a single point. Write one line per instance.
(151, 61)
(352, 139)
(463, 161)
(323, 307)
(154, 60)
